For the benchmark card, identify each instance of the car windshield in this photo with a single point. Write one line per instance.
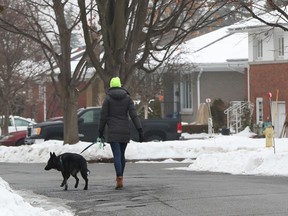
(90, 115)
(19, 121)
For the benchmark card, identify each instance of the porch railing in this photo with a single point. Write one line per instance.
(236, 113)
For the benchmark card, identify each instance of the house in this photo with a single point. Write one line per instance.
(214, 68)
(267, 72)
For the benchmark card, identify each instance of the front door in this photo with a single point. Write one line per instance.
(278, 113)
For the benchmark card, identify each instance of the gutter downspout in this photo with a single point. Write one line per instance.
(248, 82)
(198, 86)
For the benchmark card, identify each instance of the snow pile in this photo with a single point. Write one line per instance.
(12, 204)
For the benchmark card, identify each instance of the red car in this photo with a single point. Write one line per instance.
(13, 139)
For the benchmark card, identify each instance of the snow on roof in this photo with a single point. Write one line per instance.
(252, 23)
(218, 46)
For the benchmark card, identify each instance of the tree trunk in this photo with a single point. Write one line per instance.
(70, 118)
(5, 119)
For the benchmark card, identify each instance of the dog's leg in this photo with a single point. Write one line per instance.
(77, 180)
(84, 176)
(63, 182)
(65, 176)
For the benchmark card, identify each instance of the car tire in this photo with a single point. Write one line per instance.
(20, 142)
(154, 138)
(55, 138)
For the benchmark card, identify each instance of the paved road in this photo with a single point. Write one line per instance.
(153, 190)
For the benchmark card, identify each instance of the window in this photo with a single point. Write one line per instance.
(280, 46)
(186, 93)
(259, 110)
(91, 116)
(21, 122)
(259, 48)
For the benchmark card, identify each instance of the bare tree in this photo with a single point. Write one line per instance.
(275, 8)
(49, 25)
(18, 64)
(134, 31)
(146, 87)
(120, 37)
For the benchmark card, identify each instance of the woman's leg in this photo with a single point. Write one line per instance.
(116, 150)
(123, 160)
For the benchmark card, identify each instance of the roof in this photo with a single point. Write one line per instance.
(216, 47)
(219, 46)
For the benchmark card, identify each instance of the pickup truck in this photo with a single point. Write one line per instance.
(88, 122)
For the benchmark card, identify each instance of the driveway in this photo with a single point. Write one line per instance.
(155, 190)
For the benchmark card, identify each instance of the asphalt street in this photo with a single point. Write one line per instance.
(155, 190)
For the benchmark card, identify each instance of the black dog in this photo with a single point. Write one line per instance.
(69, 164)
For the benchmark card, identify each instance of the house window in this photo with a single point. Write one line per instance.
(186, 93)
(259, 110)
(280, 46)
(259, 48)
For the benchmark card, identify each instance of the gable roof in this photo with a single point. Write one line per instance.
(214, 49)
(219, 46)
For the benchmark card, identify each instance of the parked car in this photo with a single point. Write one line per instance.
(17, 123)
(88, 123)
(14, 138)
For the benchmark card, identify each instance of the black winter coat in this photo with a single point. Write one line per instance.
(114, 113)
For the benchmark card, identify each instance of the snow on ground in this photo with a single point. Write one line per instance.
(235, 154)
(12, 204)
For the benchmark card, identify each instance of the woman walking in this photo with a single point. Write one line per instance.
(114, 113)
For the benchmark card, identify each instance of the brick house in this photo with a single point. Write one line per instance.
(267, 71)
(41, 102)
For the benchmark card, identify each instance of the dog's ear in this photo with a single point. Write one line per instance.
(51, 154)
(54, 154)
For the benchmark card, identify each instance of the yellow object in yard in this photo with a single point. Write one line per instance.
(269, 133)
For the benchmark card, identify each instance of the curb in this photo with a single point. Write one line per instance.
(110, 160)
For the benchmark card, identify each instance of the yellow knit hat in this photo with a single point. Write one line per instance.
(115, 82)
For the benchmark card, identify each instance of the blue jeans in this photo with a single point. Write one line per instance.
(118, 150)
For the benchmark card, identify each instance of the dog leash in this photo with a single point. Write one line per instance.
(99, 141)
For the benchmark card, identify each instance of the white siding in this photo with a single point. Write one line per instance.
(270, 45)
